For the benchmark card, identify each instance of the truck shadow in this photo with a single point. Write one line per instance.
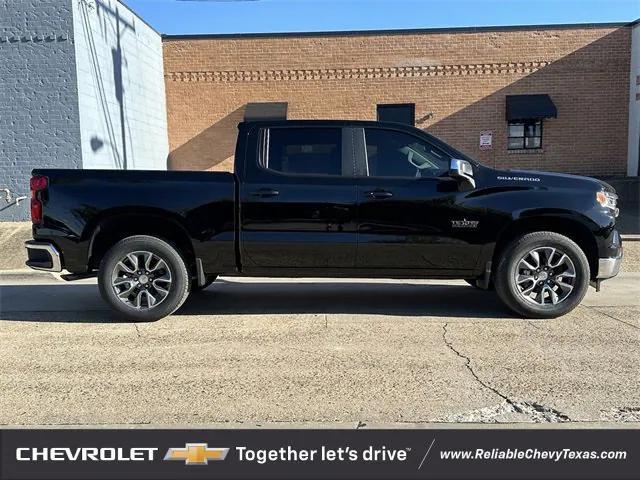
(228, 297)
(81, 303)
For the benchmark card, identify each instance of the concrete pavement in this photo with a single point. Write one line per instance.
(316, 352)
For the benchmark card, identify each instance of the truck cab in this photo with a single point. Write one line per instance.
(359, 199)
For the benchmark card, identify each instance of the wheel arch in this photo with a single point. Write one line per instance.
(569, 227)
(116, 226)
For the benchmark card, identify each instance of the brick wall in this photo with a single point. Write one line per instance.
(458, 81)
(39, 123)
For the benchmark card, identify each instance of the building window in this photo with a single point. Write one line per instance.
(525, 135)
(404, 113)
(255, 112)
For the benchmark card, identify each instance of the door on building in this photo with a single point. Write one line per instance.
(406, 203)
(298, 205)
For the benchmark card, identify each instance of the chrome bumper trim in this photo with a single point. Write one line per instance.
(56, 264)
(608, 267)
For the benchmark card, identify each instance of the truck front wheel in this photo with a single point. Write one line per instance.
(143, 278)
(542, 275)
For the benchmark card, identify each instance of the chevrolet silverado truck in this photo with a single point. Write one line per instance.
(327, 199)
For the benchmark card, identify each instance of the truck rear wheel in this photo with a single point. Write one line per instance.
(542, 275)
(143, 278)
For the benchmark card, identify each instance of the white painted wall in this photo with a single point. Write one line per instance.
(634, 104)
(121, 94)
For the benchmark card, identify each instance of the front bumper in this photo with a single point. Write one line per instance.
(43, 256)
(609, 267)
(610, 253)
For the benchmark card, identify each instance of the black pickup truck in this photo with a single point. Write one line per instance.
(328, 199)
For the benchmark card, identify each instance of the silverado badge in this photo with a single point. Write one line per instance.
(464, 223)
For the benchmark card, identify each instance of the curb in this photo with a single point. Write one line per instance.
(301, 425)
(24, 271)
(630, 237)
(27, 274)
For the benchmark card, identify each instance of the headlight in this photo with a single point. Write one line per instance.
(608, 200)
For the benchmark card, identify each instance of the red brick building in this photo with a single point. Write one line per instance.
(452, 82)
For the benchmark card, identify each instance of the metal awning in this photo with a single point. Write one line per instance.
(528, 107)
(265, 111)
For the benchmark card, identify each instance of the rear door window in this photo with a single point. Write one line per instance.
(303, 151)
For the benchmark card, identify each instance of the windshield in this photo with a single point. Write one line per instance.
(452, 151)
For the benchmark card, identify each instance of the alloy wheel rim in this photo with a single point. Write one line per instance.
(545, 276)
(141, 280)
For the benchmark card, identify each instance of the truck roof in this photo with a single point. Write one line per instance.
(333, 123)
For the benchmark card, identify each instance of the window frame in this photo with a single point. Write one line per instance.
(412, 106)
(524, 123)
(263, 152)
(417, 137)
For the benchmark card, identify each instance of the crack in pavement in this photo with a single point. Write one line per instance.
(613, 317)
(622, 414)
(535, 411)
(470, 368)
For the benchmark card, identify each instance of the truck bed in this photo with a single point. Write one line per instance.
(201, 203)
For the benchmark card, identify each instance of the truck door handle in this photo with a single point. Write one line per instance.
(265, 192)
(379, 194)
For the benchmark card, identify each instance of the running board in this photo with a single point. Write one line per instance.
(70, 277)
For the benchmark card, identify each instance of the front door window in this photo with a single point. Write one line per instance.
(391, 153)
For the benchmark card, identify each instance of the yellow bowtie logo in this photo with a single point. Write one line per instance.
(196, 454)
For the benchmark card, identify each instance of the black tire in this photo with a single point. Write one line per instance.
(198, 288)
(505, 278)
(178, 290)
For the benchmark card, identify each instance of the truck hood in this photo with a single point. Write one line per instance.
(548, 179)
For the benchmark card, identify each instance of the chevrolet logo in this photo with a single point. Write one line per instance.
(196, 454)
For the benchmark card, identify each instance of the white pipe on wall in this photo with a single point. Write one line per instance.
(633, 152)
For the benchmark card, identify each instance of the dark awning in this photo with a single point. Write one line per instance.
(265, 111)
(527, 107)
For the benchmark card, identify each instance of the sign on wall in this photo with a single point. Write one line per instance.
(486, 139)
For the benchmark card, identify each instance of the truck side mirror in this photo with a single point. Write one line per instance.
(462, 171)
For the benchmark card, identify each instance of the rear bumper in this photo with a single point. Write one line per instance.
(43, 256)
(609, 267)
